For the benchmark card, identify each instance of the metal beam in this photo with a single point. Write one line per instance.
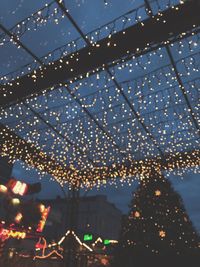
(153, 31)
(182, 88)
(137, 116)
(15, 147)
(67, 14)
(35, 112)
(58, 133)
(109, 137)
(178, 78)
(73, 22)
(165, 161)
(20, 44)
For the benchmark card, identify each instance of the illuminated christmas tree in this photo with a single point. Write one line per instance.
(157, 227)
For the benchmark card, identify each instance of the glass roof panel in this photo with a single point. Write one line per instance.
(99, 12)
(138, 111)
(12, 12)
(12, 58)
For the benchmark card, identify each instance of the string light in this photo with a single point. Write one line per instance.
(59, 243)
(15, 201)
(156, 97)
(40, 18)
(93, 113)
(157, 193)
(48, 255)
(162, 233)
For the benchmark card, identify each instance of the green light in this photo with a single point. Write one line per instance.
(106, 242)
(88, 237)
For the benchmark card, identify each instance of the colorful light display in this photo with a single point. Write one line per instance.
(106, 242)
(42, 245)
(167, 119)
(87, 237)
(17, 187)
(18, 217)
(6, 233)
(44, 215)
(3, 189)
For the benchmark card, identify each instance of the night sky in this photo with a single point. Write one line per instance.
(188, 186)
(11, 58)
(41, 41)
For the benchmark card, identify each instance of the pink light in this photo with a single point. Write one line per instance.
(42, 222)
(19, 188)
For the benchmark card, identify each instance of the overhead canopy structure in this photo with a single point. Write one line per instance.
(20, 149)
(152, 33)
(114, 101)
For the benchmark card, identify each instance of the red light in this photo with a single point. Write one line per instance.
(42, 208)
(18, 217)
(40, 245)
(42, 222)
(19, 188)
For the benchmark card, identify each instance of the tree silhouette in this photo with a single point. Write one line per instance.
(157, 228)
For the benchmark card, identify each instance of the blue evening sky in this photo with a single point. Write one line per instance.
(188, 186)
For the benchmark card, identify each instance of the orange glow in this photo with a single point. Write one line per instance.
(42, 222)
(5, 233)
(105, 262)
(44, 246)
(3, 188)
(18, 217)
(42, 208)
(15, 201)
(157, 193)
(137, 214)
(162, 233)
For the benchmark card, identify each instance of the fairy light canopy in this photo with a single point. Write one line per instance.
(142, 108)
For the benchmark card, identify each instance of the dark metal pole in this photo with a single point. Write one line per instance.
(37, 59)
(71, 257)
(135, 114)
(178, 78)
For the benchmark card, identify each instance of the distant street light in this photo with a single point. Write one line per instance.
(15, 201)
(3, 189)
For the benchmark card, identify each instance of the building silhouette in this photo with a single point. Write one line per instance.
(95, 215)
